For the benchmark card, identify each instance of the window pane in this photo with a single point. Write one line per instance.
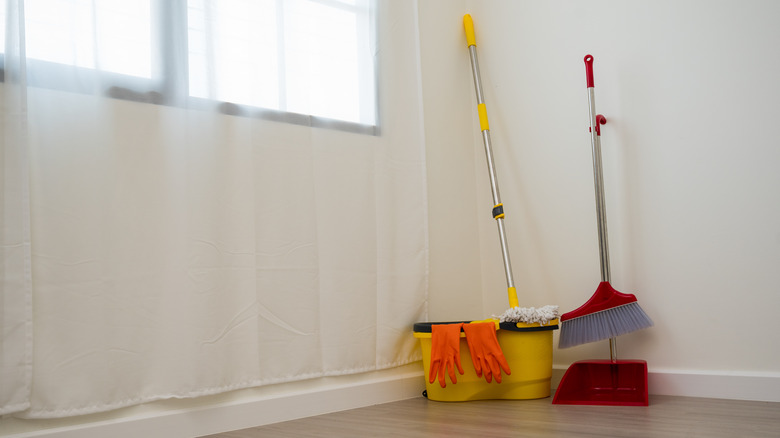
(109, 35)
(2, 26)
(232, 51)
(322, 60)
(301, 56)
(124, 36)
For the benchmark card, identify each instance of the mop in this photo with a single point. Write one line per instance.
(514, 314)
(486, 353)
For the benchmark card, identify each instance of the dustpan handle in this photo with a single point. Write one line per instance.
(498, 207)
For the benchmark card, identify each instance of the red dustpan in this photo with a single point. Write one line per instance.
(607, 314)
(604, 382)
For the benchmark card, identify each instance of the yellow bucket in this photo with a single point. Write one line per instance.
(527, 348)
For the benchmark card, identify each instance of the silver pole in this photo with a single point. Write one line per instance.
(510, 282)
(498, 207)
(598, 180)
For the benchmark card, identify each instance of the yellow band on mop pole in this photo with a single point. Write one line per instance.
(512, 292)
(483, 120)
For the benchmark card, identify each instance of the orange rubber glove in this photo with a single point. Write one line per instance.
(486, 354)
(445, 352)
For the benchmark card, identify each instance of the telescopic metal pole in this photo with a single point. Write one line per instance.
(596, 120)
(498, 207)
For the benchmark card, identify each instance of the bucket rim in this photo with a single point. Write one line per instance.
(426, 327)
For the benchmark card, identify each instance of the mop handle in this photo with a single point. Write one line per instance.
(498, 207)
(596, 120)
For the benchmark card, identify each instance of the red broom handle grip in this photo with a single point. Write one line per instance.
(589, 70)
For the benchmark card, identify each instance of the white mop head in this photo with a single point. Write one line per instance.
(530, 315)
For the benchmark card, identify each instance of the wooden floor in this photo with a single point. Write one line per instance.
(666, 417)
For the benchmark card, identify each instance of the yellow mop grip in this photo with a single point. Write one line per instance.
(468, 24)
(512, 292)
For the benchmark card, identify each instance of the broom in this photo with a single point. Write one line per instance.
(608, 313)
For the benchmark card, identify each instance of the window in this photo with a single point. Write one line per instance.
(301, 61)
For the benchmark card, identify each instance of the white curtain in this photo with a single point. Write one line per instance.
(15, 252)
(178, 243)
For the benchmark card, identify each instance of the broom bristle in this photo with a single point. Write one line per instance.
(602, 325)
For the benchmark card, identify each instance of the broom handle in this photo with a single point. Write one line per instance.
(498, 207)
(596, 120)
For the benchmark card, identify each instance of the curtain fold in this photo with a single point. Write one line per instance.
(179, 251)
(15, 248)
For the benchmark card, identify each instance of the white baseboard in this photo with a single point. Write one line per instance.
(292, 402)
(757, 387)
(183, 419)
(707, 384)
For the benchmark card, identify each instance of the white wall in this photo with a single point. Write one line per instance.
(690, 159)
(455, 279)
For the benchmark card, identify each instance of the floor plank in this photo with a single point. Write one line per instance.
(665, 417)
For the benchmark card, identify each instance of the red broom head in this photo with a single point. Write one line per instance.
(604, 298)
(607, 314)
